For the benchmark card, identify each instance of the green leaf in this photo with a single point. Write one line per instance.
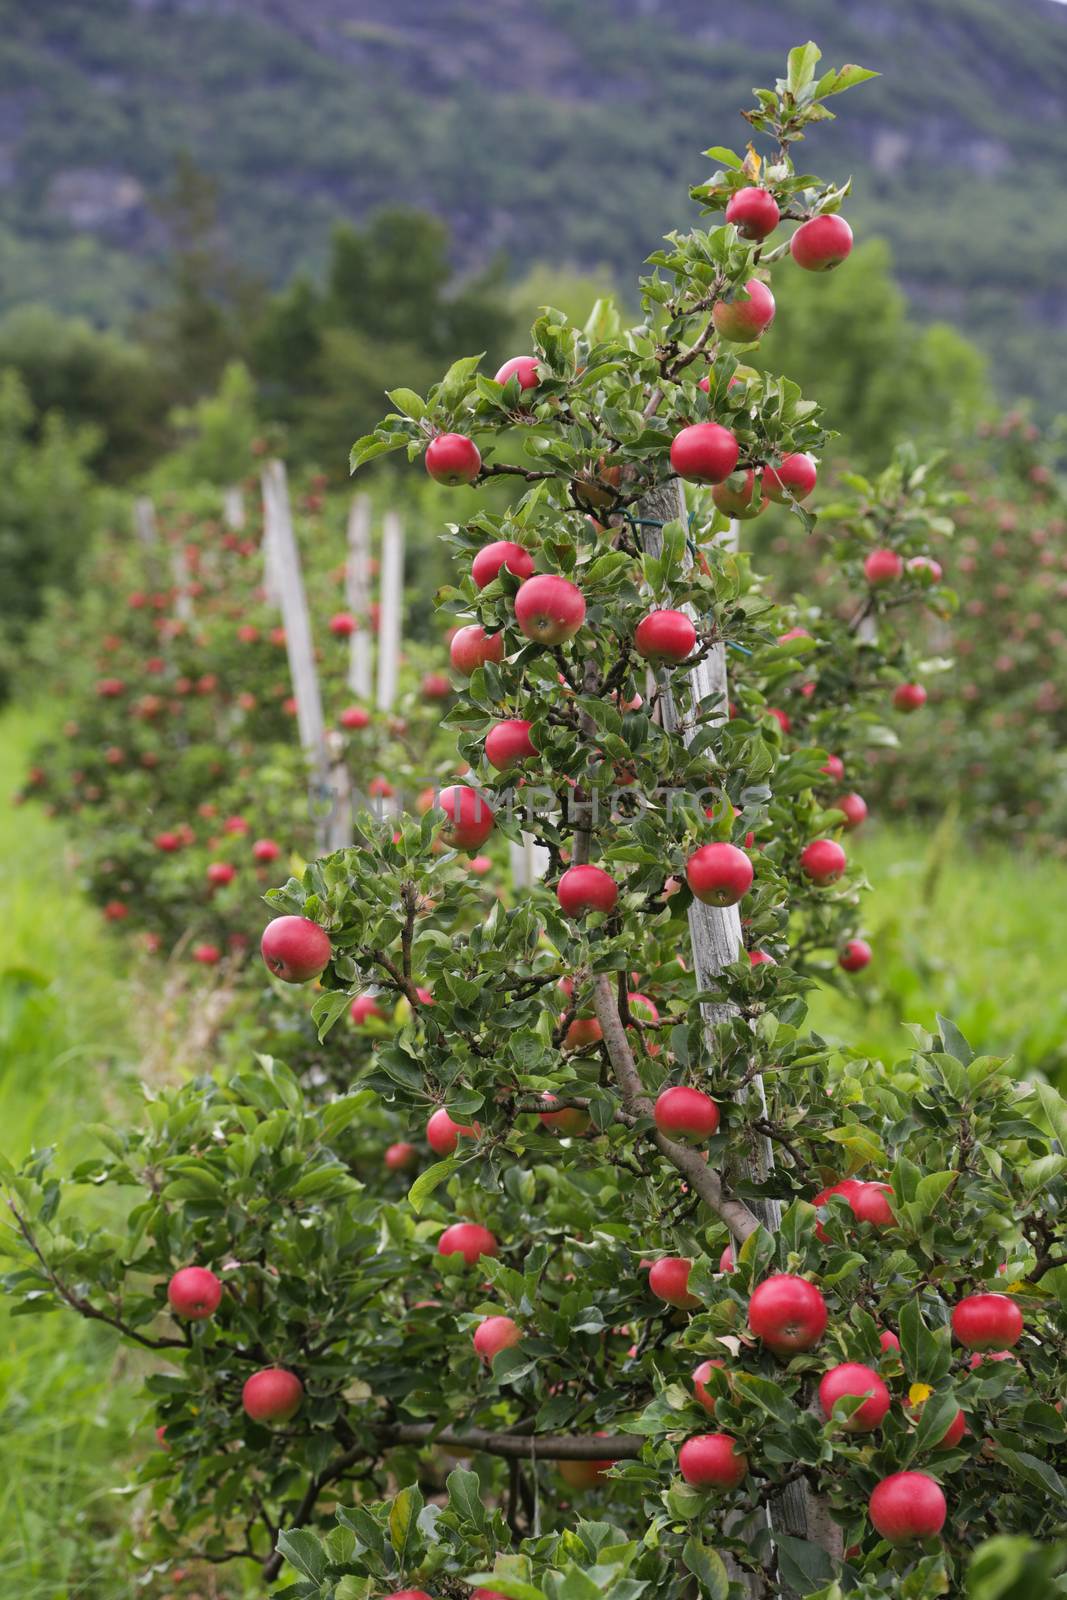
(836, 82)
(803, 60)
(513, 1588)
(801, 1564)
(954, 1042)
(371, 445)
(719, 152)
(407, 401)
(707, 1568)
(1037, 1473)
(303, 1551)
(327, 1007)
(428, 1181)
(465, 1497)
(402, 1520)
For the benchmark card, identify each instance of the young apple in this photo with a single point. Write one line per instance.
(753, 212)
(549, 609)
(665, 636)
(503, 553)
(453, 459)
(907, 1506)
(788, 1313)
(295, 949)
(706, 452)
(712, 1461)
(848, 1381)
(821, 243)
(719, 874)
(584, 888)
(194, 1293)
(668, 1279)
(272, 1395)
(684, 1113)
(793, 479)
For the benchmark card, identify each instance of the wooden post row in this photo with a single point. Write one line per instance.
(391, 602)
(357, 597)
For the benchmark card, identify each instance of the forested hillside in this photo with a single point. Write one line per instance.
(539, 129)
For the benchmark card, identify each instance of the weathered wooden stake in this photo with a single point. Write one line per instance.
(144, 521)
(233, 508)
(391, 601)
(357, 596)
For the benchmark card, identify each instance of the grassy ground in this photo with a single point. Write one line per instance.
(65, 1422)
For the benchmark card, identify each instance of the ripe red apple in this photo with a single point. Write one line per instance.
(236, 825)
(408, 1594)
(208, 955)
(435, 686)
(363, 1007)
(583, 889)
(665, 636)
(881, 567)
(167, 842)
(740, 496)
(583, 1032)
(742, 321)
(925, 569)
(295, 948)
(907, 1506)
(853, 808)
(987, 1322)
(265, 850)
(712, 1461)
(869, 1203)
(753, 212)
(525, 368)
(220, 873)
(398, 1157)
(569, 1122)
(888, 1340)
(584, 1474)
(788, 1313)
(469, 1240)
(471, 647)
(700, 1378)
(503, 553)
(470, 818)
(442, 1134)
(793, 479)
(194, 1293)
(909, 697)
(684, 1113)
(508, 743)
(719, 874)
(495, 1334)
(822, 243)
(952, 1434)
(453, 459)
(726, 1260)
(834, 768)
(855, 956)
(850, 1380)
(823, 861)
(668, 1279)
(342, 624)
(549, 609)
(706, 452)
(354, 717)
(272, 1395)
(116, 911)
(760, 958)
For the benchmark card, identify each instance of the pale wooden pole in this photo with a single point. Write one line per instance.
(233, 508)
(391, 601)
(183, 600)
(357, 596)
(144, 521)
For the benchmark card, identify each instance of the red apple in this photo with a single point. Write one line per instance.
(116, 911)
(668, 1279)
(823, 861)
(452, 458)
(435, 686)
(408, 1594)
(354, 717)
(495, 1334)
(909, 697)
(665, 636)
(788, 1313)
(855, 956)
(295, 948)
(167, 842)
(471, 647)
(753, 212)
(470, 818)
(741, 496)
(398, 1157)
(583, 889)
(850, 1380)
(834, 768)
(987, 1322)
(719, 874)
(684, 1113)
(700, 1378)
(220, 873)
(583, 1032)
(194, 1293)
(236, 825)
(881, 567)
(706, 452)
(853, 808)
(442, 1134)
(265, 850)
(469, 1240)
(569, 1122)
(726, 1260)
(549, 609)
(342, 624)
(822, 243)
(760, 958)
(584, 1474)
(925, 569)
(793, 480)
(503, 553)
(508, 743)
(952, 1434)
(525, 368)
(712, 1461)
(363, 1007)
(208, 955)
(272, 1395)
(741, 321)
(869, 1203)
(888, 1340)
(907, 1506)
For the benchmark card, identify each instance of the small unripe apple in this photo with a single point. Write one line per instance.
(882, 566)
(495, 1334)
(719, 874)
(794, 479)
(668, 1280)
(788, 1313)
(665, 636)
(272, 1395)
(569, 1122)
(583, 889)
(850, 1380)
(925, 569)
(398, 1157)
(469, 1240)
(853, 808)
(706, 452)
(342, 624)
(442, 1134)
(684, 1113)
(712, 1461)
(822, 243)
(907, 1506)
(855, 956)
(549, 609)
(524, 368)
(741, 496)
(508, 743)
(909, 697)
(987, 1322)
(503, 553)
(220, 873)
(742, 321)
(823, 861)
(472, 647)
(700, 1378)
(470, 818)
(753, 212)
(453, 459)
(194, 1293)
(295, 949)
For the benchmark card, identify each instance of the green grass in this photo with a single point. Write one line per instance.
(975, 935)
(66, 1419)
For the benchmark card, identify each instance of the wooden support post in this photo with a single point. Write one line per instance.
(328, 776)
(144, 521)
(357, 597)
(233, 508)
(183, 600)
(391, 602)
